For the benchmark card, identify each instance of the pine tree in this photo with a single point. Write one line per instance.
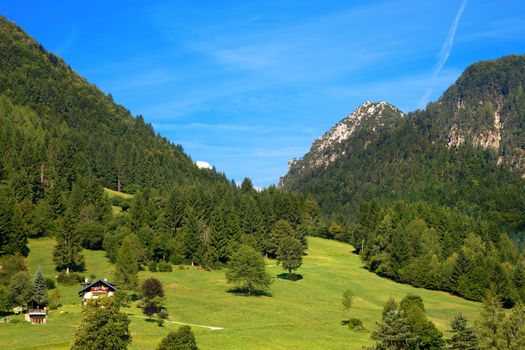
(393, 333)
(252, 223)
(512, 331)
(192, 237)
(490, 326)
(128, 262)
(13, 237)
(40, 290)
(67, 253)
(281, 229)
(460, 268)
(463, 337)
(182, 339)
(219, 240)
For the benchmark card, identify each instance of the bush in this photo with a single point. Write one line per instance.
(164, 266)
(355, 323)
(70, 279)
(50, 283)
(55, 299)
(152, 266)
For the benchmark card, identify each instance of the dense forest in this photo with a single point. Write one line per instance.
(63, 141)
(439, 177)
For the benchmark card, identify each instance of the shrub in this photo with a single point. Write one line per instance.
(152, 266)
(70, 279)
(164, 266)
(50, 283)
(355, 323)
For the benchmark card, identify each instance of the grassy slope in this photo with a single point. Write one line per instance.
(303, 314)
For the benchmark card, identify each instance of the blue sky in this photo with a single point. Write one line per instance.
(248, 85)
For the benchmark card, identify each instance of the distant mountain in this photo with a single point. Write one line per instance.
(370, 118)
(81, 131)
(467, 149)
(435, 198)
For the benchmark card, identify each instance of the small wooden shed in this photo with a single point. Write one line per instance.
(36, 312)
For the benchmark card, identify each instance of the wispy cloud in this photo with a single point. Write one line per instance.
(231, 127)
(66, 43)
(446, 49)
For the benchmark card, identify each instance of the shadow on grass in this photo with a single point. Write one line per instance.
(243, 292)
(294, 277)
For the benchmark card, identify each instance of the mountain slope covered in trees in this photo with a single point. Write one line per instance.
(442, 187)
(62, 141)
(72, 129)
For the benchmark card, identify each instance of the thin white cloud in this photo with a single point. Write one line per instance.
(446, 48)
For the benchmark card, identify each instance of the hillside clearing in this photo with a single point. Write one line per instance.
(304, 314)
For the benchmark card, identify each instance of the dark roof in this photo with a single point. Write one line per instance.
(87, 286)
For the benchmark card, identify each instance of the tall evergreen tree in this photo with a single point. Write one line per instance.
(67, 253)
(40, 290)
(128, 262)
(492, 317)
(192, 237)
(463, 337)
(393, 333)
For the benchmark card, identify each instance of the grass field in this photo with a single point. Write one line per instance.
(304, 314)
(112, 193)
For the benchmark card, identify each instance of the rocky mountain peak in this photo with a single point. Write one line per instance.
(370, 116)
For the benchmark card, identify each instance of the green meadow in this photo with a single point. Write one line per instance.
(305, 314)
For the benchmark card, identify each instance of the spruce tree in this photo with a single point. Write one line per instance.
(40, 290)
(281, 229)
(512, 332)
(128, 262)
(67, 253)
(463, 337)
(192, 237)
(393, 333)
(219, 240)
(490, 326)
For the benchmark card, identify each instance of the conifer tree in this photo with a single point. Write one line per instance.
(252, 220)
(492, 317)
(67, 253)
(219, 240)
(281, 229)
(13, 238)
(128, 262)
(393, 333)
(40, 290)
(512, 331)
(192, 237)
(463, 337)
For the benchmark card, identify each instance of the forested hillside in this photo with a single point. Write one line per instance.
(450, 175)
(62, 141)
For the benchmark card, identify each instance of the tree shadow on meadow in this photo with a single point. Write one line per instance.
(243, 292)
(294, 277)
